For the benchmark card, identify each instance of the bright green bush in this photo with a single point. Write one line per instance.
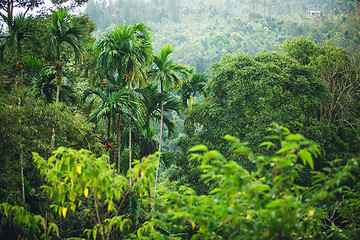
(265, 203)
(78, 182)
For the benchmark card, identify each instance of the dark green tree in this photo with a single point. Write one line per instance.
(339, 111)
(300, 49)
(244, 96)
(192, 85)
(43, 83)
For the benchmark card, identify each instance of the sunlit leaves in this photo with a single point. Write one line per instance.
(19, 216)
(198, 148)
(64, 211)
(73, 175)
(86, 192)
(260, 203)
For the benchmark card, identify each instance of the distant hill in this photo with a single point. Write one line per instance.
(202, 31)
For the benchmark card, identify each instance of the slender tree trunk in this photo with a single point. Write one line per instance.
(107, 149)
(52, 143)
(58, 86)
(22, 165)
(129, 149)
(129, 135)
(106, 131)
(116, 147)
(22, 176)
(119, 147)
(161, 127)
(58, 69)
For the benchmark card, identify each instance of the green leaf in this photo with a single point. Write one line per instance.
(276, 203)
(273, 137)
(284, 163)
(294, 137)
(229, 138)
(285, 148)
(211, 155)
(198, 148)
(267, 144)
(286, 131)
(306, 158)
(94, 233)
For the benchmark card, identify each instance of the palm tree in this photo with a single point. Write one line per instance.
(44, 83)
(19, 29)
(112, 108)
(163, 70)
(62, 32)
(191, 86)
(126, 50)
(152, 108)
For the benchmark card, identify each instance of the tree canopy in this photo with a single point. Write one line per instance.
(148, 145)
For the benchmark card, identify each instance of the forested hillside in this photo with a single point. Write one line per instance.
(171, 119)
(203, 31)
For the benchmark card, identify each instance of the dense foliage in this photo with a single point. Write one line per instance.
(265, 202)
(126, 137)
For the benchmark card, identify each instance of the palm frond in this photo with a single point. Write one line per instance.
(164, 71)
(62, 30)
(126, 49)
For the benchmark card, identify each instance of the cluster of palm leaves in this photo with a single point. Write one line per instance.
(19, 29)
(133, 90)
(131, 85)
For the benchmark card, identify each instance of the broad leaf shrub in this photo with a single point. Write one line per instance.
(31, 225)
(266, 203)
(79, 182)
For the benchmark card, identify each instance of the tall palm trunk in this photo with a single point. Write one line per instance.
(130, 147)
(107, 136)
(57, 94)
(116, 147)
(22, 165)
(58, 86)
(119, 146)
(22, 176)
(161, 127)
(129, 134)
(58, 69)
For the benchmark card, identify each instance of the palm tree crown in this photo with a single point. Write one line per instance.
(126, 50)
(192, 85)
(152, 107)
(62, 31)
(112, 105)
(20, 29)
(165, 71)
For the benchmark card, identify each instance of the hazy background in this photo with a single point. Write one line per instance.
(202, 31)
